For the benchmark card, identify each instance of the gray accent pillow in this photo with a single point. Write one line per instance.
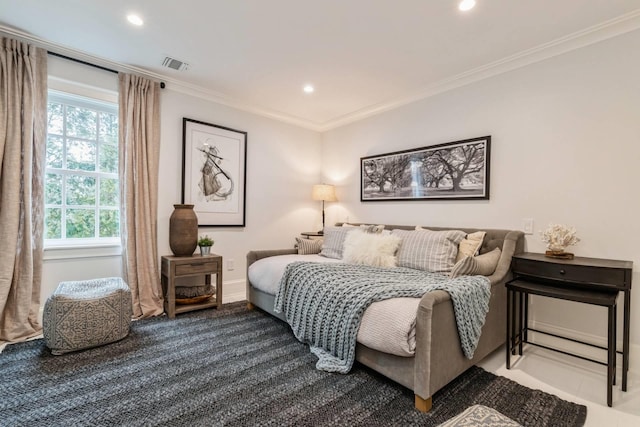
(428, 250)
(481, 265)
(333, 244)
(308, 246)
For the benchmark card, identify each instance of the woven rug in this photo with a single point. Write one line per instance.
(234, 367)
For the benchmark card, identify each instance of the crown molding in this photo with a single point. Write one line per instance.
(597, 33)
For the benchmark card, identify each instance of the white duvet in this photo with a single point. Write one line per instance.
(388, 326)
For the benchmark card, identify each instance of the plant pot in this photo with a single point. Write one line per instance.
(183, 230)
(205, 250)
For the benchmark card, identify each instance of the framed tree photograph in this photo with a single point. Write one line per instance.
(451, 171)
(214, 163)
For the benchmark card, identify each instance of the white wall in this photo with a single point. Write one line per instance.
(565, 148)
(283, 162)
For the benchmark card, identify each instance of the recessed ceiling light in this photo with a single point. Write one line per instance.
(465, 5)
(308, 89)
(135, 19)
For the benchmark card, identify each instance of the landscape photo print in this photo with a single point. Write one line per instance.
(451, 171)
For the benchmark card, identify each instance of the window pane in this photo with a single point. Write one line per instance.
(53, 223)
(53, 189)
(81, 122)
(55, 118)
(109, 158)
(109, 223)
(81, 155)
(109, 192)
(81, 190)
(81, 223)
(54, 151)
(108, 127)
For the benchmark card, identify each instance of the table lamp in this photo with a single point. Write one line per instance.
(325, 193)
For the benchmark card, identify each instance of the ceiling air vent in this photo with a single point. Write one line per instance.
(175, 64)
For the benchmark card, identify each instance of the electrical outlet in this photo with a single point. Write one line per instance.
(230, 264)
(527, 225)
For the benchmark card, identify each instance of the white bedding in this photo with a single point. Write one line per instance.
(388, 326)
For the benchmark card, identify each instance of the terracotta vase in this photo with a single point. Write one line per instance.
(183, 230)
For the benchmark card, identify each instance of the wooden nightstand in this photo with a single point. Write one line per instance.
(174, 267)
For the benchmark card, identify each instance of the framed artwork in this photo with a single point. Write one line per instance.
(214, 171)
(451, 171)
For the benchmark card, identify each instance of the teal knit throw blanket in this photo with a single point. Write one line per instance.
(324, 304)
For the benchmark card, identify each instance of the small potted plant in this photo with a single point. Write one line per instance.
(205, 242)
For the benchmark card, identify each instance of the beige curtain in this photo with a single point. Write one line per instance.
(139, 150)
(23, 118)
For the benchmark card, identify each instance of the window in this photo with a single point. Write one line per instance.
(81, 185)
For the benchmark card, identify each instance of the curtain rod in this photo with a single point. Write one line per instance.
(162, 85)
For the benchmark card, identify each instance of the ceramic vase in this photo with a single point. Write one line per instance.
(183, 230)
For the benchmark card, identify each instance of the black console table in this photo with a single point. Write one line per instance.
(586, 280)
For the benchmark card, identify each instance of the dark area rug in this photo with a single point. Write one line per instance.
(238, 368)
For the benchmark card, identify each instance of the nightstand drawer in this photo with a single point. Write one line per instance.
(576, 274)
(195, 267)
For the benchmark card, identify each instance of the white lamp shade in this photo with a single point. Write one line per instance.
(324, 192)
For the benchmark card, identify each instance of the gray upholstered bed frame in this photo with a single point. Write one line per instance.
(438, 358)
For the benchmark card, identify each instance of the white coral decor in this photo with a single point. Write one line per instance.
(559, 236)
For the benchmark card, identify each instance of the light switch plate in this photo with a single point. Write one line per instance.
(527, 225)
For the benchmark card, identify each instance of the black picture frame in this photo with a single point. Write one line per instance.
(214, 173)
(457, 170)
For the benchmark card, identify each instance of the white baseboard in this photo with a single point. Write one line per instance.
(234, 290)
(583, 350)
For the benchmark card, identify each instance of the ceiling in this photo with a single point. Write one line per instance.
(362, 56)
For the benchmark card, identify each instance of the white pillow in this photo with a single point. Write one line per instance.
(377, 249)
(433, 251)
(481, 265)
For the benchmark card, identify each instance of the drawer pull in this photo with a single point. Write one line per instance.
(196, 265)
(562, 272)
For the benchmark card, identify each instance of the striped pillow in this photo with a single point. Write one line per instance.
(308, 246)
(481, 265)
(433, 251)
(334, 241)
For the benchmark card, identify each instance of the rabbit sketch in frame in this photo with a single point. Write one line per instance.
(216, 183)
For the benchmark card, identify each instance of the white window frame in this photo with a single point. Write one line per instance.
(105, 102)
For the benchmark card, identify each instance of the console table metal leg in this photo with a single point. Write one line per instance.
(520, 322)
(526, 317)
(625, 338)
(508, 329)
(514, 296)
(611, 353)
(615, 342)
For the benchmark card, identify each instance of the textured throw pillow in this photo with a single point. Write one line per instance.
(481, 265)
(377, 249)
(334, 241)
(373, 229)
(433, 251)
(470, 246)
(308, 246)
(368, 228)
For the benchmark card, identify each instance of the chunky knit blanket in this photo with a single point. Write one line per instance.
(324, 304)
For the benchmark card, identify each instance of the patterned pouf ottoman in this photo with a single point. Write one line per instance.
(87, 314)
